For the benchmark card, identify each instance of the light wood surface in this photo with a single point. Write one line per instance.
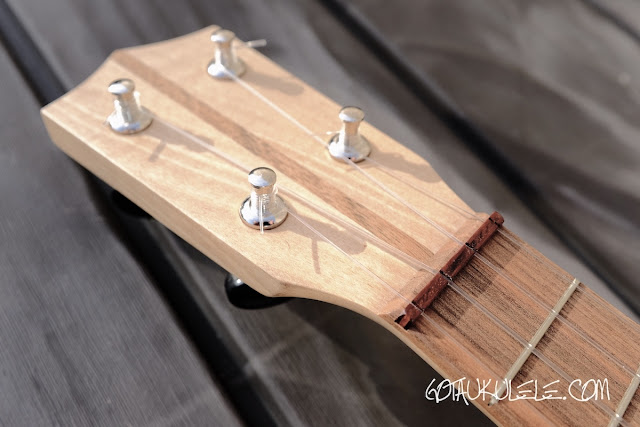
(197, 194)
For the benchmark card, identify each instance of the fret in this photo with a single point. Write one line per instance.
(626, 400)
(533, 342)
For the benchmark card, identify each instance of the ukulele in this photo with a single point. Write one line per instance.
(337, 211)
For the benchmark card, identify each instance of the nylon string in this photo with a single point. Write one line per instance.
(480, 257)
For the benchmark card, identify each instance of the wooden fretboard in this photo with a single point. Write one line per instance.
(589, 339)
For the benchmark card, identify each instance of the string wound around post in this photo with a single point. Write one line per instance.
(348, 144)
(128, 116)
(263, 209)
(225, 63)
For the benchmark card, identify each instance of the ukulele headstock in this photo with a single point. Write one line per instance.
(189, 168)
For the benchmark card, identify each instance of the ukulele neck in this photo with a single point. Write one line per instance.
(512, 314)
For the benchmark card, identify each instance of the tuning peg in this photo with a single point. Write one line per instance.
(263, 209)
(128, 117)
(243, 296)
(348, 143)
(225, 61)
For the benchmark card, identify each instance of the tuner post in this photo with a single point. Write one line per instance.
(348, 143)
(263, 209)
(128, 117)
(225, 63)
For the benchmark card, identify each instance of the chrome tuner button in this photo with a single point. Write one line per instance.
(263, 209)
(348, 143)
(128, 116)
(225, 61)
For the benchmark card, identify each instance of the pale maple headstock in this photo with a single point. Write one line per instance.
(197, 194)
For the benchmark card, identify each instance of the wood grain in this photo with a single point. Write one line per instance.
(196, 194)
